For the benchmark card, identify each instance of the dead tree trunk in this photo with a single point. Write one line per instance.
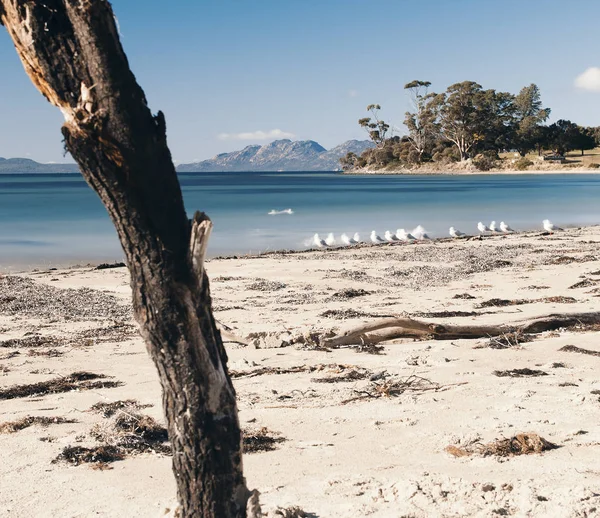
(384, 329)
(71, 51)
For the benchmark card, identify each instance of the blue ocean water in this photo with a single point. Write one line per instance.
(57, 219)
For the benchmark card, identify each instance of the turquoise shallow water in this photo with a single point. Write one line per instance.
(58, 220)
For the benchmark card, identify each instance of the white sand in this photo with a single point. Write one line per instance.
(375, 457)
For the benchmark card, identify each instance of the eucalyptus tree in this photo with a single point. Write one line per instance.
(375, 127)
(530, 117)
(423, 129)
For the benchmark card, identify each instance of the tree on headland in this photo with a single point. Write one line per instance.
(375, 127)
(71, 51)
(463, 116)
(529, 118)
(423, 130)
(467, 122)
(564, 136)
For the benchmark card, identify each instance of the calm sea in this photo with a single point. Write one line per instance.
(49, 220)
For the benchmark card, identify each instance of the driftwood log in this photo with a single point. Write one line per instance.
(71, 51)
(384, 329)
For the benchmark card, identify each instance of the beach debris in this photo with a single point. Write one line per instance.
(288, 512)
(26, 422)
(25, 297)
(345, 375)
(447, 314)
(557, 300)
(567, 259)
(101, 455)
(519, 444)
(585, 283)
(384, 329)
(108, 266)
(514, 339)
(369, 349)
(75, 381)
(262, 371)
(124, 434)
(464, 296)
(269, 340)
(343, 314)
(49, 353)
(259, 284)
(108, 409)
(580, 350)
(260, 440)
(519, 373)
(396, 387)
(496, 303)
(349, 293)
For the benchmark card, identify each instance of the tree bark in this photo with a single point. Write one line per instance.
(71, 51)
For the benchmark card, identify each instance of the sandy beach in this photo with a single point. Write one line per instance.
(404, 429)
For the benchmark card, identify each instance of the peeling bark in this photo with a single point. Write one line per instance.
(71, 51)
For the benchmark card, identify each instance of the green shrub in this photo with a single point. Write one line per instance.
(594, 165)
(484, 162)
(522, 164)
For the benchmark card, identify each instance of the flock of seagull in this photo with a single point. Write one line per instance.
(419, 234)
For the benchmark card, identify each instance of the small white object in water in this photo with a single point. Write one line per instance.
(330, 240)
(505, 227)
(419, 233)
(549, 226)
(455, 232)
(390, 237)
(375, 238)
(483, 228)
(317, 241)
(403, 235)
(278, 212)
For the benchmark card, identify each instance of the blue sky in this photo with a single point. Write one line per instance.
(224, 70)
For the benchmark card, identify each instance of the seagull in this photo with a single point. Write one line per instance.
(376, 239)
(404, 236)
(350, 240)
(550, 227)
(493, 227)
(505, 227)
(483, 228)
(456, 233)
(390, 237)
(317, 241)
(419, 233)
(330, 240)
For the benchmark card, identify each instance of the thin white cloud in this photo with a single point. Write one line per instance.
(256, 135)
(352, 93)
(589, 80)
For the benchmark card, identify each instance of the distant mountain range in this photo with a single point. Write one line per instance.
(280, 155)
(24, 165)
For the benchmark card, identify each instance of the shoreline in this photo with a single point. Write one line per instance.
(22, 269)
(415, 172)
